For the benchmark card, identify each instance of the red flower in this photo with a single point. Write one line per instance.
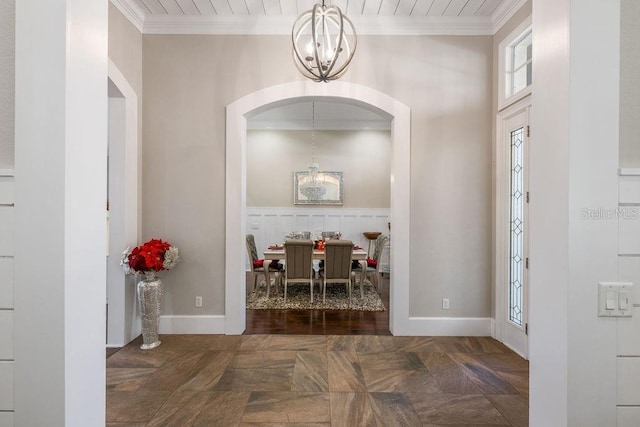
(148, 256)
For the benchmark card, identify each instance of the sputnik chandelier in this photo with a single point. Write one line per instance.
(324, 41)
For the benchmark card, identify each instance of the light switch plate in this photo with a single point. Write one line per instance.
(614, 293)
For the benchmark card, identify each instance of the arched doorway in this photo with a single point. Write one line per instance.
(235, 194)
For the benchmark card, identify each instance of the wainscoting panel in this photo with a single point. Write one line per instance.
(629, 189)
(271, 225)
(628, 375)
(6, 283)
(6, 230)
(628, 337)
(6, 419)
(6, 334)
(6, 386)
(628, 416)
(629, 231)
(6, 297)
(628, 330)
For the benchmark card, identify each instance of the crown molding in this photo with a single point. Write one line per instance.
(132, 12)
(504, 12)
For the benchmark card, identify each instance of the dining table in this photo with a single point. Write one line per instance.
(274, 252)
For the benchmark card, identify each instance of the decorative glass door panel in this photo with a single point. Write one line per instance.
(517, 222)
(512, 201)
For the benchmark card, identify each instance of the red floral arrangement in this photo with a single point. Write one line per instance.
(154, 255)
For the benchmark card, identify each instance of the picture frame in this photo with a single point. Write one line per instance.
(331, 181)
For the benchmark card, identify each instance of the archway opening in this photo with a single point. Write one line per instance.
(236, 148)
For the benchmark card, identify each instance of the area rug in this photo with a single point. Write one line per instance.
(298, 298)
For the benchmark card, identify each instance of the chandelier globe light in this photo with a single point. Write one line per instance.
(324, 41)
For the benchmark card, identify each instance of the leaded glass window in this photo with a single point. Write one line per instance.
(516, 247)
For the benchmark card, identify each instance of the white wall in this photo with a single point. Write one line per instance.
(573, 164)
(60, 194)
(7, 40)
(362, 156)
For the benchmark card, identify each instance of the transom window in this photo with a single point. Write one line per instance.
(519, 71)
(515, 56)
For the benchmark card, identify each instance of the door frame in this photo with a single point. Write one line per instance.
(502, 197)
(235, 190)
(124, 224)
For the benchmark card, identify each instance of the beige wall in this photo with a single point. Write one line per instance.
(7, 81)
(125, 51)
(125, 48)
(362, 156)
(447, 83)
(630, 84)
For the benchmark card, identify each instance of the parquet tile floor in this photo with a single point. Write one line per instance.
(317, 380)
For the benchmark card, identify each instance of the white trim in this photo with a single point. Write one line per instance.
(450, 326)
(629, 172)
(504, 12)
(123, 325)
(504, 102)
(192, 324)
(132, 12)
(516, 350)
(235, 190)
(7, 172)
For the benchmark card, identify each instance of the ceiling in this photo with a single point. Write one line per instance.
(389, 17)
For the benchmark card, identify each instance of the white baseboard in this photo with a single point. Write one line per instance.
(192, 324)
(418, 326)
(450, 326)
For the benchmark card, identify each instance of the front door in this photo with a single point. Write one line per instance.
(517, 263)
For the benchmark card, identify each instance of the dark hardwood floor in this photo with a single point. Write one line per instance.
(322, 322)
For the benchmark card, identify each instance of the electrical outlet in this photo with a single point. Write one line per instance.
(198, 301)
(445, 303)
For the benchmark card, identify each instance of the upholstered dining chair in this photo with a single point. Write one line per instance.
(258, 265)
(298, 256)
(373, 264)
(338, 255)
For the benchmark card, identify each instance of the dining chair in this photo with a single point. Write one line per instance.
(372, 270)
(257, 265)
(338, 255)
(298, 256)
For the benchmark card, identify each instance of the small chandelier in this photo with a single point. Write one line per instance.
(324, 41)
(313, 188)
